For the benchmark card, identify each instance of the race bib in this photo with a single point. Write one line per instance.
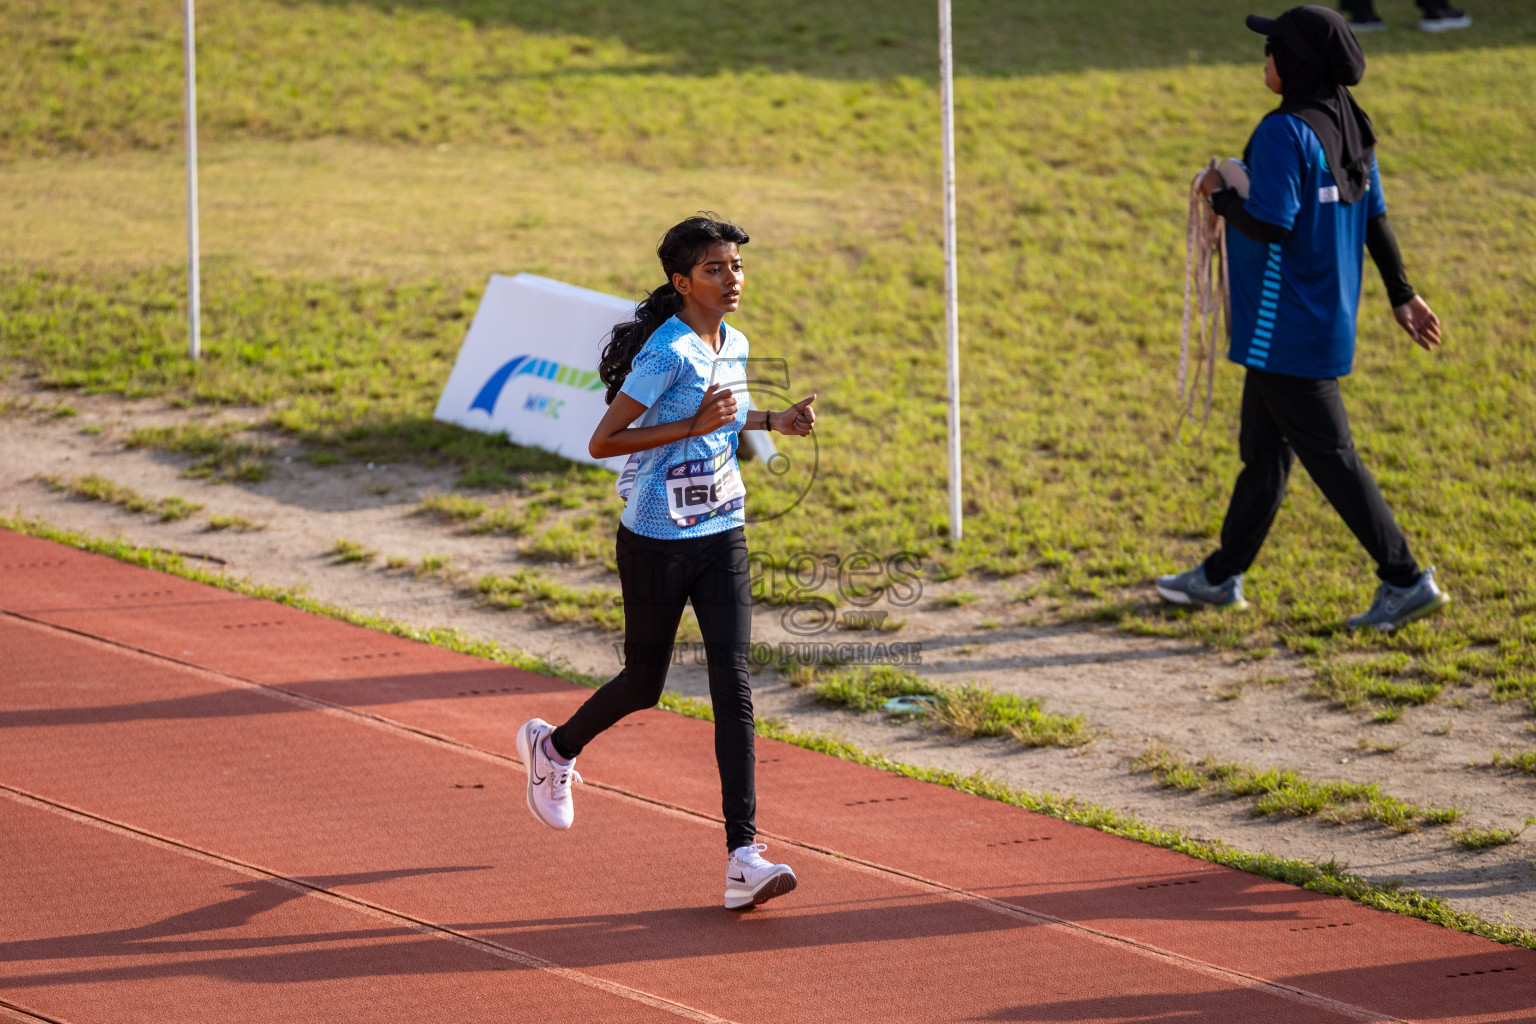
(703, 488)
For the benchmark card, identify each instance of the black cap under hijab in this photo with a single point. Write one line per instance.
(1318, 58)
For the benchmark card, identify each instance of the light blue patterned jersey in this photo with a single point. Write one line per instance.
(669, 377)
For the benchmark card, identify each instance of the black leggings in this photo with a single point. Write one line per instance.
(658, 578)
(1287, 417)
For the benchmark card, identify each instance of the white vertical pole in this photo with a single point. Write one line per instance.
(194, 298)
(951, 274)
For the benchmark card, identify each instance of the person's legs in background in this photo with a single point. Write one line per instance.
(1437, 16)
(1218, 581)
(1362, 15)
(1260, 487)
(1440, 16)
(1310, 413)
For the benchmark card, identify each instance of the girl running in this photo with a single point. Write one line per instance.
(1296, 246)
(681, 535)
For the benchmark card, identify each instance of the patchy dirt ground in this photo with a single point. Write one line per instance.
(1134, 691)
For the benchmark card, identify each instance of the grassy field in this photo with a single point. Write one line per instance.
(368, 164)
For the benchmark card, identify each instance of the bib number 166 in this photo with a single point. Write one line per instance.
(703, 488)
(695, 494)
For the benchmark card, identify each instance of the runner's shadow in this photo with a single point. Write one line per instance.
(685, 933)
(1214, 898)
(386, 953)
(1458, 988)
(245, 702)
(393, 951)
(1219, 1007)
(170, 934)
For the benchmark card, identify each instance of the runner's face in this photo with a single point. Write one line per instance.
(1272, 75)
(714, 285)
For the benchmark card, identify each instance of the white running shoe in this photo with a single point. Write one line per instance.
(750, 880)
(549, 783)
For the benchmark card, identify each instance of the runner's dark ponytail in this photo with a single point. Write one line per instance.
(682, 248)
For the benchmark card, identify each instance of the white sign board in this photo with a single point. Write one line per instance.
(528, 368)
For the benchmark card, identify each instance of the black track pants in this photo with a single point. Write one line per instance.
(1294, 417)
(658, 578)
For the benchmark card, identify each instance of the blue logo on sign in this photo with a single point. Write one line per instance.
(544, 405)
(571, 376)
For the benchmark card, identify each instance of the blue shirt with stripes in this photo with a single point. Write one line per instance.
(1294, 302)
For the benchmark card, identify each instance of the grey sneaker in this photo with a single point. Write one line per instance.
(1446, 19)
(1367, 25)
(1395, 607)
(1193, 588)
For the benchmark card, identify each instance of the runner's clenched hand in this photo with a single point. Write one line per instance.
(716, 409)
(797, 420)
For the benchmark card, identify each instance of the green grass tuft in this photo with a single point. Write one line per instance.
(432, 565)
(570, 543)
(345, 551)
(1481, 839)
(219, 456)
(95, 487)
(969, 709)
(1524, 761)
(232, 522)
(455, 508)
(1282, 791)
(555, 602)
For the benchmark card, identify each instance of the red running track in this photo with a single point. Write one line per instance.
(215, 808)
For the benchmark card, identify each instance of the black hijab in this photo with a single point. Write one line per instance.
(1318, 58)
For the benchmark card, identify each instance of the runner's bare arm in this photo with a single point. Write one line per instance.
(614, 435)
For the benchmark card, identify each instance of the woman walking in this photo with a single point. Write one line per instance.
(1295, 246)
(681, 537)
